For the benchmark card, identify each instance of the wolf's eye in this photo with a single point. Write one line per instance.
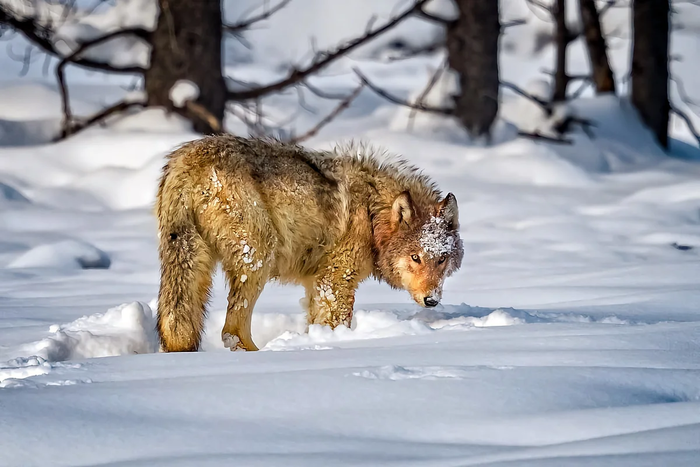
(442, 259)
(416, 258)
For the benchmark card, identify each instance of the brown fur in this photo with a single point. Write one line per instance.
(268, 210)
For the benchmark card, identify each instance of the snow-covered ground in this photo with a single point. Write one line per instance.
(570, 336)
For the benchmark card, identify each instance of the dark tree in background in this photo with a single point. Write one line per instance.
(186, 45)
(472, 50)
(562, 39)
(650, 65)
(602, 75)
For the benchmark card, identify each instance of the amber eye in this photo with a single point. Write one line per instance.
(416, 258)
(442, 259)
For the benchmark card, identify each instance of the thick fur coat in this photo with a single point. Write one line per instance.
(267, 210)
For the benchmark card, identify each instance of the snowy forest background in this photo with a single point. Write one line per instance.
(568, 130)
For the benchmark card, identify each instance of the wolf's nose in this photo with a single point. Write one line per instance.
(430, 301)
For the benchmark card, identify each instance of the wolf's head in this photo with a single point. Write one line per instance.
(421, 249)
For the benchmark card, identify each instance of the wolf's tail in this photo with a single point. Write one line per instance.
(186, 266)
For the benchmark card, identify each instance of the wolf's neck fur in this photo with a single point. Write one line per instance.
(378, 186)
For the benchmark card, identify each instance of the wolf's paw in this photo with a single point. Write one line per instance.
(232, 343)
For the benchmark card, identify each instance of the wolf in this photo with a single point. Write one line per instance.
(267, 210)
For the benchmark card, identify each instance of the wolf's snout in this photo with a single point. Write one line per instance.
(430, 301)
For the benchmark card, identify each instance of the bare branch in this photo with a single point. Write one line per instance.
(330, 117)
(100, 117)
(431, 84)
(324, 94)
(60, 72)
(512, 23)
(323, 59)
(688, 122)
(241, 25)
(683, 94)
(688, 101)
(396, 100)
(193, 109)
(549, 10)
(42, 37)
(546, 106)
(435, 18)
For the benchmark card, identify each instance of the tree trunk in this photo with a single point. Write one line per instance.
(603, 78)
(650, 65)
(186, 45)
(561, 79)
(472, 46)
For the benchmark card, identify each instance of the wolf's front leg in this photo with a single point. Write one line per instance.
(331, 296)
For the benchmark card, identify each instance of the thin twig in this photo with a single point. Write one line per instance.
(60, 71)
(324, 94)
(241, 25)
(429, 87)
(43, 37)
(688, 122)
(330, 117)
(512, 23)
(434, 18)
(101, 116)
(546, 106)
(396, 100)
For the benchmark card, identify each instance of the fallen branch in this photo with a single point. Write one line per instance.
(323, 59)
(396, 100)
(201, 112)
(549, 139)
(330, 117)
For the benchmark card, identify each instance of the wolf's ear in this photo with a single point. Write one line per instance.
(448, 210)
(402, 210)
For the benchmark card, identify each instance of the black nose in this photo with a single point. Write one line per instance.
(430, 301)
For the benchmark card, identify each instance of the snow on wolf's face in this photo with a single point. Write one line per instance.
(422, 249)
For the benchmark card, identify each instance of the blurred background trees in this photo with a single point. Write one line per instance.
(175, 41)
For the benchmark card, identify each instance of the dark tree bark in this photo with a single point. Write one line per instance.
(472, 47)
(187, 45)
(650, 65)
(562, 38)
(603, 78)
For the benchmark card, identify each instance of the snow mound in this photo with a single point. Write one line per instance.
(8, 193)
(31, 114)
(14, 372)
(131, 329)
(68, 254)
(378, 324)
(123, 330)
